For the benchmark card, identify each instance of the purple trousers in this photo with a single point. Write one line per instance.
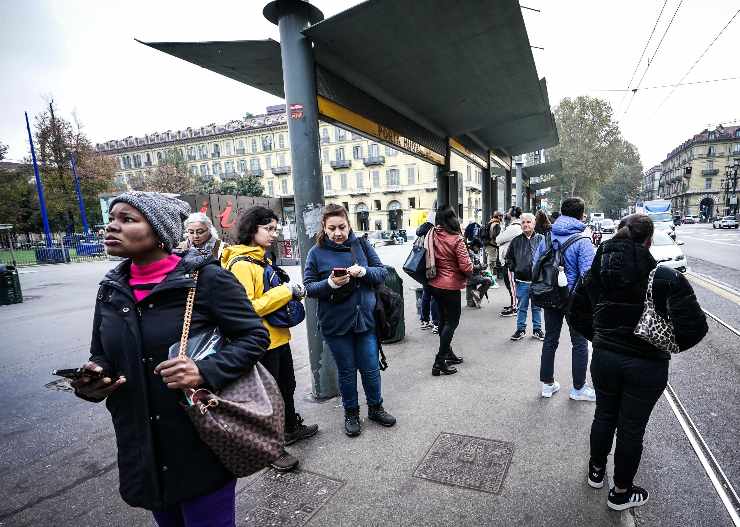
(217, 509)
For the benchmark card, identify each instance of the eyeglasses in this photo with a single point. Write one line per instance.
(199, 232)
(269, 228)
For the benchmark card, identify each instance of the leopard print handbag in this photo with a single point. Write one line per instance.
(243, 423)
(652, 327)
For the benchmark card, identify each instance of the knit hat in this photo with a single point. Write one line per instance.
(163, 212)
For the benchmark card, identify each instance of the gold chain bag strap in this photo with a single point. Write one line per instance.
(243, 423)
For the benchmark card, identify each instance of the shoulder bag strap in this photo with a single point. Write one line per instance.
(244, 258)
(649, 295)
(187, 318)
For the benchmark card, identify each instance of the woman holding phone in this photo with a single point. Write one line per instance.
(163, 465)
(342, 272)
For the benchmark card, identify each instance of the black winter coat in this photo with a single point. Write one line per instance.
(161, 459)
(607, 305)
(519, 256)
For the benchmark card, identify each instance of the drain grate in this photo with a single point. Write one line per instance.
(286, 499)
(466, 461)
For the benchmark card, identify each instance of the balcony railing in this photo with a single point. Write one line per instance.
(710, 172)
(341, 163)
(240, 151)
(215, 155)
(389, 189)
(230, 174)
(329, 193)
(257, 172)
(374, 161)
(359, 192)
(281, 171)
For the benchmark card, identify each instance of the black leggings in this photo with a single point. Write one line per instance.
(279, 362)
(448, 302)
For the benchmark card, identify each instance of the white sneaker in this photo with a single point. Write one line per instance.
(549, 389)
(586, 393)
(425, 325)
(495, 286)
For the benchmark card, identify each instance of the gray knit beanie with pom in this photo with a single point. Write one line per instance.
(164, 213)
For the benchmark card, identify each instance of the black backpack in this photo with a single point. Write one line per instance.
(544, 290)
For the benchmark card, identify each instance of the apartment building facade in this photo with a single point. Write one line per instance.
(649, 185)
(382, 188)
(694, 176)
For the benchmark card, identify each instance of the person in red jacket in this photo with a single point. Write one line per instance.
(451, 266)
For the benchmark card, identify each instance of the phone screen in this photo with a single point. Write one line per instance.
(76, 373)
(339, 271)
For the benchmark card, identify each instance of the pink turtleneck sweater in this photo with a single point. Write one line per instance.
(150, 275)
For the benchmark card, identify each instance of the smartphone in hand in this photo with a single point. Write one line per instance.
(339, 271)
(75, 373)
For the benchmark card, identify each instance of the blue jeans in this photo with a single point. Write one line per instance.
(217, 509)
(522, 294)
(429, 307)
(352, 352)
(579, 355)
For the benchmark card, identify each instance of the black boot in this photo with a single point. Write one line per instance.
(299, 431)
(452, 358)
(352, 422)
(442, 368)
(375, 412)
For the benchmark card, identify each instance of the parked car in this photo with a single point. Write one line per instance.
(727, 222)
(667, 252)
(608, 226)
(690, 220)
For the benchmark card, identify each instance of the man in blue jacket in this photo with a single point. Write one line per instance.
(578, 257)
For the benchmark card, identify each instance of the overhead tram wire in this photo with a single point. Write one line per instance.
(672, 85)
(642, 55)
(697, 60)
(650, 61)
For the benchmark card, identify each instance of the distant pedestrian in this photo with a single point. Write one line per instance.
(429, 308)
(202, 236)
(542, 223)
(257, 232)
(479, 282)
(519, 262)
(449, 267)
(577, 261)
(492, 230)
(629, 373)
(163, 464)
(342, 272)
(503, 240)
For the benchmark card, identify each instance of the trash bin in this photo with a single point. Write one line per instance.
(10, 286)
(395, 284)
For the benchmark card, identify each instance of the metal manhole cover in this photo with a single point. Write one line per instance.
(465, 461)
(285, 499)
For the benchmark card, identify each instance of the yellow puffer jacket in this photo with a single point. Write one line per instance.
(251, 277)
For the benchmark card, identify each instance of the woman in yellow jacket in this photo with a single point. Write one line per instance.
(257, 232)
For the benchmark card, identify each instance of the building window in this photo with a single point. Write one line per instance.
(270, 188)
(242, 166)
(357, 152)
(412, 203)
(360, 180)
(340, 134)
(327, 182)
(377, 204)
(736, 148)
(204, 170)
(253, 145)
(281, 141)
(227, 148)
(254, 164)
(393, 177)
(340, 153)
(479, 177)
(737, 132)
(229, 167)
(390, 152)
(137, 161)
(193, 170)
(268, 162)
(374, 150)
(284, 186)
(191, 154)
(712, 136)
(148, 161)
(467, 173)
(325, 155)
(266, 143)
(281, 160)
(240, 147)
(203, 149)
(712, 150)
(160, 159)
(411, 175)
(375, 174)
(343, 181)
(215, 150)
(325, 135)
(217, 168)
(707, 183)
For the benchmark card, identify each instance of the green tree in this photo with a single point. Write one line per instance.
(170, 175)
(3, 151)
(589, 143)
(247, 185)
(621, 189)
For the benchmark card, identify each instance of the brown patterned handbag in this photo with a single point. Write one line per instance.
(243, 423)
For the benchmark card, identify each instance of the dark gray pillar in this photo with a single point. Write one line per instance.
(443, 182)
(507, 191)
(292, 17)
(494, 193)
(486, 191)
(520, 190)
(455, 184)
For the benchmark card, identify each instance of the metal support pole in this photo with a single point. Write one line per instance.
(443, 181)
(292, 17)
(80, 200)
(486, 191)
(520, 192)
(494, 193)
(507, 191)
(39, 187)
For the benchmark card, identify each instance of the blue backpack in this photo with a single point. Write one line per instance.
(292, 313)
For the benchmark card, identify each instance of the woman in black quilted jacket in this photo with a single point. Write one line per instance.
(629, 374)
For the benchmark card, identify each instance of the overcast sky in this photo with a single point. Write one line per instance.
(83, 54)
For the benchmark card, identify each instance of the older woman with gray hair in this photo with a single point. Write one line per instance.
(202, 236)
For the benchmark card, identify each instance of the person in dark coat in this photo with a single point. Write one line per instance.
(519, 262)
(629, 374)
(542, 224)
(163, 464)
(342, 273)
(429, 310)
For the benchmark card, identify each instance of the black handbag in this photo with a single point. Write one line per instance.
(416, 262)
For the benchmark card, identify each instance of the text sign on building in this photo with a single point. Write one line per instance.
(334, 112)
(468, 154)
